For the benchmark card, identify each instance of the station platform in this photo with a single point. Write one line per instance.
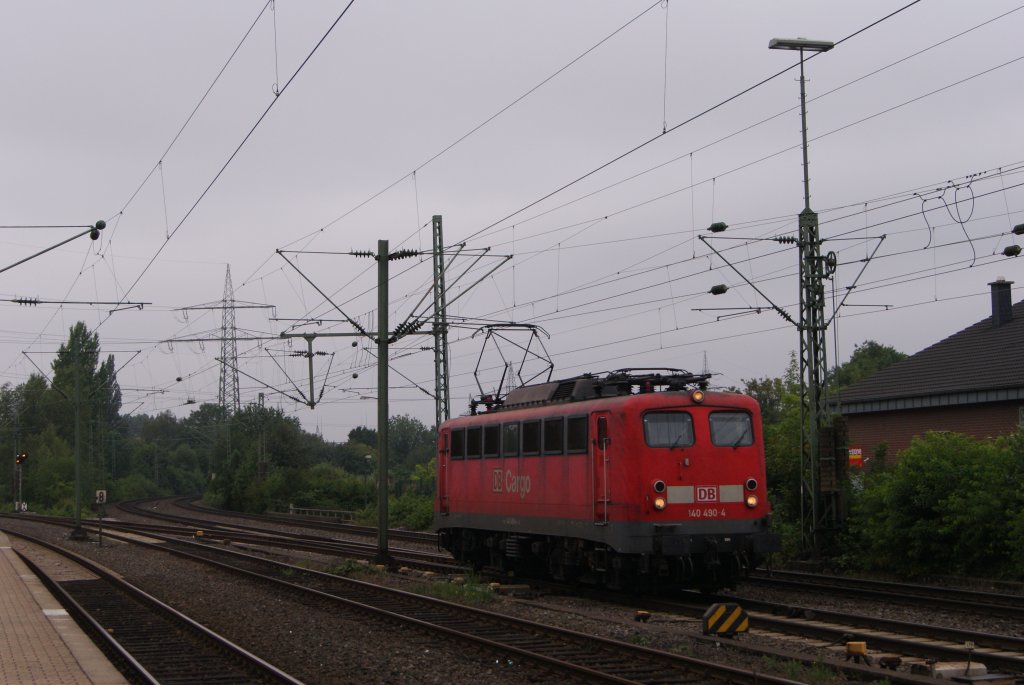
(40, 644)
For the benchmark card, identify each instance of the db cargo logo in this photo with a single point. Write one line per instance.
(707, 493)
(506, 481)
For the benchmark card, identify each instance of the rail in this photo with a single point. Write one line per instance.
(335, 514)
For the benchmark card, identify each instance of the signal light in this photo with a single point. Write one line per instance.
(22, 457)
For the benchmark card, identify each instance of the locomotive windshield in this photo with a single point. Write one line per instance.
(731, 428)
(668, 429)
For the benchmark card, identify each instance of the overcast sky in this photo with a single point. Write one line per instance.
(309, 146)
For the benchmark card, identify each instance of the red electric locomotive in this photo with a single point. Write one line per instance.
(635, 477)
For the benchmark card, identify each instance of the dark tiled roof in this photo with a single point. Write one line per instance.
(980, 357)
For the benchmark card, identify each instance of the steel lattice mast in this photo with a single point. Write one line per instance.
(228, 395)
(442, 401)
(818, 481)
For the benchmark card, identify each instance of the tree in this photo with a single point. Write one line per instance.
(867, 359)
(108, 393)
(90, 400)
(76, 362)
(364, 435)
(769, 393)
(781, 430)
(409, 443)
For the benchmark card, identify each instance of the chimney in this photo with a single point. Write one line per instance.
(1002, 307)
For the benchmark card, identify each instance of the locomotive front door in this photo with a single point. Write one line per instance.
(600, 466)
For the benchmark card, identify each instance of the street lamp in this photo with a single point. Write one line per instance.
(813, 363)
(803, 45)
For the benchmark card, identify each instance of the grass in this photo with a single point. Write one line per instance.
(472, 592)
(815, 674)
(351, 567)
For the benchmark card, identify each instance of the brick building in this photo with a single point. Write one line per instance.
(972, 382)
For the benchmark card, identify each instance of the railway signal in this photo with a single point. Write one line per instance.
(21, 458)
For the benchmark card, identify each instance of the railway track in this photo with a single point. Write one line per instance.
(956, 599)
(149, 641)
(188, 504)
(912, 641)
(571, 654)
(262, 538)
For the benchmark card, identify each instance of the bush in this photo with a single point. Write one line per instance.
(950, 504)
(410, 510)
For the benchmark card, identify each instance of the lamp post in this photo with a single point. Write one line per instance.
(813, 363)
(803, 45)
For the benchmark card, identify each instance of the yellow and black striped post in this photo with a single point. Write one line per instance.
(725, 619)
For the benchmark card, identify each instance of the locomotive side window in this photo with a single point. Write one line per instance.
(492, 434)
(576, 434)
(458, 443)
(531, 437)
(554, 435)
(668, 429)
(510, 440)
(731, 428)
(473, 442)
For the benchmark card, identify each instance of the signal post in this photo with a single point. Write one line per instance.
(19, 459)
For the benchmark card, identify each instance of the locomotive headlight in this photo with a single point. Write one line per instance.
(697, 396)
(751, 501)
(659, 503)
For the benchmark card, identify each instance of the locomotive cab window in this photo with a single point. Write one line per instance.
(510, 440)
(668, 429)
(458, 444)
(492, 434)
(731, 429)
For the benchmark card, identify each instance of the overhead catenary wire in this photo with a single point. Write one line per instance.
(847, 38)
(564, 246)
(239, 147)
(676, 127)
(481, 125)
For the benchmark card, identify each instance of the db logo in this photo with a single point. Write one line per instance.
(510, 482)
(707, 493)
